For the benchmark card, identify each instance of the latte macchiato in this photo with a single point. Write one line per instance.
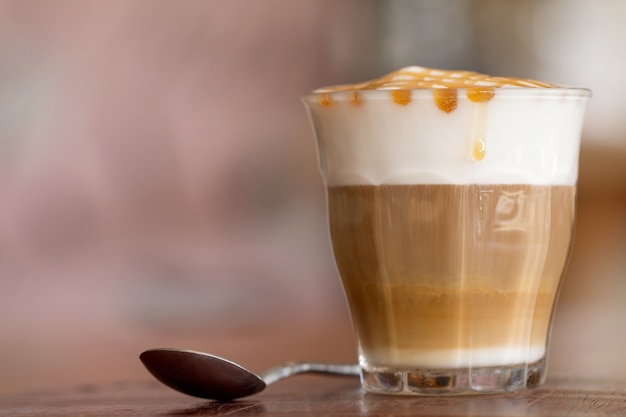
(451, 208)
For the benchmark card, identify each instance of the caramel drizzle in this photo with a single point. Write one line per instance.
(355, 98)
(401, 96)
(418, 77)
(445, 99)
(325, 99)
(479, 89)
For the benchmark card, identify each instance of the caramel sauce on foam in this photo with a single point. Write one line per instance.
(479, 88)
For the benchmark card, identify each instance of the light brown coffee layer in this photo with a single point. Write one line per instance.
(430, 268)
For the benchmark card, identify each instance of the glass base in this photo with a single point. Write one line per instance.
(492, 379)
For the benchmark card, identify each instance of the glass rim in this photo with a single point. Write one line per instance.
(545, 92)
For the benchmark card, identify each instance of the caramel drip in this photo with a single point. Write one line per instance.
(479, 131)
(402, 97)
(325, 99)
(479, 149)
(355, 98)
(480, 94)
(445, 98)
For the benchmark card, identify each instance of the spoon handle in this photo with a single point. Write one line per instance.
(294, 368)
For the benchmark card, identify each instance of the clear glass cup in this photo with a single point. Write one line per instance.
(451, 215)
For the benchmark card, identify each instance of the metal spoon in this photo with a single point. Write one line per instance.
(209, 376)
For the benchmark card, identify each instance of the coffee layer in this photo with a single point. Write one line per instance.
(481, 327)
(434, 271)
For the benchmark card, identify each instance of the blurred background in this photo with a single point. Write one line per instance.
(159, 183)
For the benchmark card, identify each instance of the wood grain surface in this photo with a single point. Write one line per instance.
(313, 395)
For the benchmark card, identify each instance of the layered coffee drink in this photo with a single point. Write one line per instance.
(431, 284)
(451, 200)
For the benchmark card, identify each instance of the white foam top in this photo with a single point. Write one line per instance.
(423, 126)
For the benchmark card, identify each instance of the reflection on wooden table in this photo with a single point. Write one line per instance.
(309, 396)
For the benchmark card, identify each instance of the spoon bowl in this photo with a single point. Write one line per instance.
(200, 374)
(208, 376)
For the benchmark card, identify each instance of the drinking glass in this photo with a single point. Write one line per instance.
(451, 215)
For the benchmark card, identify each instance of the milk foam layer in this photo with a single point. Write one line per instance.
(458, 358)
(422, 126)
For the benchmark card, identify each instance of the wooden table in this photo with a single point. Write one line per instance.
(319, 396)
